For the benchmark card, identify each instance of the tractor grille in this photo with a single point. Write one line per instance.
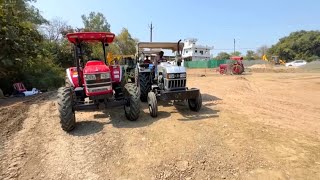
(98, 85)
(176, 83)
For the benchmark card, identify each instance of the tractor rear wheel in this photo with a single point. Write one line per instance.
(196, 103)
(65, 107)
(153, 105)
(145, 86)
(132, 106)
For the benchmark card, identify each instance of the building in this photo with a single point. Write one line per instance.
(193, 52)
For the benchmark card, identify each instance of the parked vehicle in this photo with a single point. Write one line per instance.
(95, 79)
(296, 63)
(165, 82)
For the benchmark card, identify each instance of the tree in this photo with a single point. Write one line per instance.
(237, 53)
(298, 45)
(250, 55)
(55, 29)
(23, 56)
(95, 22)
(222, 56)
(19, 37)
(262, 51)
(125, 43)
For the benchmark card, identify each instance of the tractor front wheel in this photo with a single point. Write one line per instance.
(153, 105)
(196, 103)
(144, 85)
(65, 107)
(132, 106)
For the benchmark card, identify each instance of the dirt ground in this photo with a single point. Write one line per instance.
(253, 126)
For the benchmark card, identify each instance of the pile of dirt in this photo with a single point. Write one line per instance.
(260, 66)
(268, 68)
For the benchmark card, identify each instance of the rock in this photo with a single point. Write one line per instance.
(182, 165)
(223, 177)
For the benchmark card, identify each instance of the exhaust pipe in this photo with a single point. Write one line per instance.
(179, 55)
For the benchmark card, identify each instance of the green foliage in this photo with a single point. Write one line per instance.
(222, 56)
(125, 43)
(23, 56)
(298, 45)
(250, 55)
(237, 53)
(95, 22)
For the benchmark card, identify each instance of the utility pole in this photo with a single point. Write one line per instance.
(151, 29)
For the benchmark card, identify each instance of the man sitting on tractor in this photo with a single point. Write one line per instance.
(147, 60)
(160, 58)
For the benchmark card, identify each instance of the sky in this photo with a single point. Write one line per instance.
(252, 23)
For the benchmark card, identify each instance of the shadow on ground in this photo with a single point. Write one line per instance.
(120, 121)
(209, 98)
(117, 118)
(85, 128)
(205, 112)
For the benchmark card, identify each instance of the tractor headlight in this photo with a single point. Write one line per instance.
(105, 76)
(90, 77)
(170, 76)
(183, 75)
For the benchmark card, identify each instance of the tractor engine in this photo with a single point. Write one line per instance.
(174, 77)
(97, 79)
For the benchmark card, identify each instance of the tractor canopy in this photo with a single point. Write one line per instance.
(237, 58)
(161, 45)
(78, 37)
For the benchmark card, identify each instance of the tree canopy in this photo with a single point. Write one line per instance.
(298, 45)
(35, 50)
(95, 22)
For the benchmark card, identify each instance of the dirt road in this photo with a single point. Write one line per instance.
(255, 126)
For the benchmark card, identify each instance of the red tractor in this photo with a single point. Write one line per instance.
(103, 84)
(236, 66)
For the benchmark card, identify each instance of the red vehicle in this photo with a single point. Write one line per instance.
(103, 84)
(235, 68)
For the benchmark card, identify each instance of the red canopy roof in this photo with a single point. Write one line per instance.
(236, 58)
(106, 37)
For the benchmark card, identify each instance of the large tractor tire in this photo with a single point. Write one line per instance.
(237, 69)
(65, 107)
(153, 105)
(144, 85)
(67, 82)
(132, 106)
(195, 104)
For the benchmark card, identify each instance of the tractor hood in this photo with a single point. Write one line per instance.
(95, 67)
(170, 68)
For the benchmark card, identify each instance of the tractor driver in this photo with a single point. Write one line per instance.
(157, 61)
(147, 60)
(160, 58)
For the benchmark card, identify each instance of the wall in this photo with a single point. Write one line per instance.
(204, 64)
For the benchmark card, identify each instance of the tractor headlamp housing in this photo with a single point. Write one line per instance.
(170, 76)
(105, 76)
(183, 75)
(90, 77)
(176, 75)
